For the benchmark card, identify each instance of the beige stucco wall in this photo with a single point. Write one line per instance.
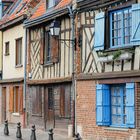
(0, 51)
(9, 69)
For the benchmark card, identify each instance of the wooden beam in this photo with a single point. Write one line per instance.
(49, 81)
(109, 75)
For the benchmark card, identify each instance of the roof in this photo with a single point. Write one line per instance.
(17, 9)
(41, 9)
(8, 0)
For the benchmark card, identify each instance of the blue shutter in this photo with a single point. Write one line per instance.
(130, 105)
(135, 24)
(99, 31)
(102, 105)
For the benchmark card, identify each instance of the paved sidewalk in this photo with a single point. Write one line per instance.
(40, 134)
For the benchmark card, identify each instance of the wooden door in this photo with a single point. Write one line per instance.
(3, 104)
(49, 117)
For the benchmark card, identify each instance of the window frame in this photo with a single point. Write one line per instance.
(17, 64)
(122, 45)
(47, 55)
(7, 52)
(122, 106)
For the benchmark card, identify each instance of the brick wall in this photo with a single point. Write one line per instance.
(86, 116)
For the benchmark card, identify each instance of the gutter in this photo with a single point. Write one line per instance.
(72, 17)
(24, 86)
(46, 17)
(13, 22)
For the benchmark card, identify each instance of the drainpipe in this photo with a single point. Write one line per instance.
(24, 95)
(72, 15)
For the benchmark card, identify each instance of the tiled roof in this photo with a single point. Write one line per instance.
(41, 9)
(17, 9)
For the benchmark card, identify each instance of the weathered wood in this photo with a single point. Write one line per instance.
(49, 81)
(109, 75)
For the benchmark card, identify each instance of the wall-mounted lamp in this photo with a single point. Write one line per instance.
(55, 28)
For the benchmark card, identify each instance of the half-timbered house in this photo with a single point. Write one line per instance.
(108, 86)
(13, 46)
(49, 66)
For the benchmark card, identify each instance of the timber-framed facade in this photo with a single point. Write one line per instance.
(108, 84)
(49, 70)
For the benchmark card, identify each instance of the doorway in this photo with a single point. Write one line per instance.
(4, 116)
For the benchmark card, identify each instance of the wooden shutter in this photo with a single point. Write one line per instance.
(42, 48)
(135, 24)
(130, 103)
(102, 105)
(54, 49)
(62, 101)
(21, 99)
(11, 99)
(99, 31)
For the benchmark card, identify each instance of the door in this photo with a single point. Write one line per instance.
(3, 104)
(49, 117)
(62, 107)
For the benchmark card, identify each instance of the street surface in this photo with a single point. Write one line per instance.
(40, 134)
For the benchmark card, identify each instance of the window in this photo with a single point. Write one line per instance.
(120, 27)
(19, 52)
(124, 28)
(52, 3)
(115, 105)
(118, 105)
(51, 49)
(47, 55)
(6, 48)
(16, 99)
(36, 101)
(50, 99)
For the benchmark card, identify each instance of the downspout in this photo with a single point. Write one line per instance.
(24, 95)
(72, 15)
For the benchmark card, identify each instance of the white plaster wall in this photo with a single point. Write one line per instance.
(9, 69)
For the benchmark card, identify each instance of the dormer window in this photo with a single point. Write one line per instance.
(52, 3)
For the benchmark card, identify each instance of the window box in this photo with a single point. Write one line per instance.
(110, 58)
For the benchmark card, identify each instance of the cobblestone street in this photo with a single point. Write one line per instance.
(40, 134)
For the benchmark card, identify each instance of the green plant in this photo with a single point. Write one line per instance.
(116, 54)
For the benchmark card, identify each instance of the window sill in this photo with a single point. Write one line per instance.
(118, 48)
(19, 66)
(48, 64)
(16, 114)
(116, 129)
(37, 115)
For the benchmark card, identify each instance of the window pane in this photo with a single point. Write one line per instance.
(119, 110)
(114, 120)
(114, 110)
(118, 100)
(119, 120)
(113, 100)
(119, 15)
